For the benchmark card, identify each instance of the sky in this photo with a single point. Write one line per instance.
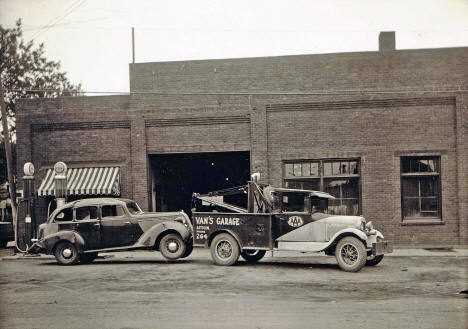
(92, 38)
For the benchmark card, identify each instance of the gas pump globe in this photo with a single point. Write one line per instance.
(60, 180)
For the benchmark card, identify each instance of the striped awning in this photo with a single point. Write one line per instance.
(85, 181)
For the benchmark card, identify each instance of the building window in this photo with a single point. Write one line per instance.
(420, 187)
(340, 178)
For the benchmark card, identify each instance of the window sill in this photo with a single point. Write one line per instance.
(422, 221)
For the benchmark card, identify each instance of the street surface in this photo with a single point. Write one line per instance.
(142, 290)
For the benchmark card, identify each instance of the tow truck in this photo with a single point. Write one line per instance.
(282, 219)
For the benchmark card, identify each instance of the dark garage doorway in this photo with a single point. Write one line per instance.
(174, 177)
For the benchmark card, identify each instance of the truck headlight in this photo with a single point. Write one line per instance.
(369, 226)
(363, 225)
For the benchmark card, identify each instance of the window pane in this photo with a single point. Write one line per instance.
(430, 205)
(431, 166)
(411, 207)
(313, 185)
(343, 207)
(65, 215)
(306, 169)
(108, 211)
(429, 186)
(345, 168)
(314, 169)
(327, 169)
(353, 168)
(294, 184)
(410, 187)
(336, 168)
(294, 202)
(289, 169)
(85, 213)
(405, 165)
(297, 169)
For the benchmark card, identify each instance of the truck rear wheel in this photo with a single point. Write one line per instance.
(224, 249)
(350, 254)
(253, 256)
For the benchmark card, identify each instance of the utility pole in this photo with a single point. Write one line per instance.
(9, 158)
(133, 45)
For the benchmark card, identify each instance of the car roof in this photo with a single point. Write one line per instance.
(96, 201)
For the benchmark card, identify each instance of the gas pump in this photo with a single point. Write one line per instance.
(26, 224)
(60, 180)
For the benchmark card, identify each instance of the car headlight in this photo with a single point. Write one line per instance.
(369, 226)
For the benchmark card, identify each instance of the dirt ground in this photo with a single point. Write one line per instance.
(141, 290)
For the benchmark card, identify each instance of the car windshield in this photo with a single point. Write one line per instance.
(133, 208)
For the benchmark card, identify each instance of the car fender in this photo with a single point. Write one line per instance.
(49, 242)
(235, 235)
(345, 232)
(149, 238)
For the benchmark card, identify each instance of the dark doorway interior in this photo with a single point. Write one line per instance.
(176, 176)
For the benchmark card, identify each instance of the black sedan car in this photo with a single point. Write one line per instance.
(79, 230)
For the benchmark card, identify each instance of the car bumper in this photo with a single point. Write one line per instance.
(382, 247)
(36, 248)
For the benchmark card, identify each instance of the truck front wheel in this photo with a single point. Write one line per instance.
(374, 260)
(350, 254)
(224, 250)
(253, 256)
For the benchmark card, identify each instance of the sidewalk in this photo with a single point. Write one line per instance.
(8, 254)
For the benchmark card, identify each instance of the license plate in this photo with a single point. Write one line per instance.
(382, 247)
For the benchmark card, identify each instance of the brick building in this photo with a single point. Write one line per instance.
(386, 132)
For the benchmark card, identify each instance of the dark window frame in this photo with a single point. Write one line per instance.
(406, 175)
(321, 177)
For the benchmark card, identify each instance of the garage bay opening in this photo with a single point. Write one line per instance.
(174, 177)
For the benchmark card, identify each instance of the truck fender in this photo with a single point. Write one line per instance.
(212, 236)
(73, 237)
(347, 232)
(150, 237)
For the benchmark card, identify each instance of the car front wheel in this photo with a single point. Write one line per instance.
(172, 246)
(350, 254)
(66, 253)
(224, 250)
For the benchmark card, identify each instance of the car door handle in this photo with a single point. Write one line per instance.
(97, 224)
(127, 223)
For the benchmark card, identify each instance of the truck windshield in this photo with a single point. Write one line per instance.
(133, 208)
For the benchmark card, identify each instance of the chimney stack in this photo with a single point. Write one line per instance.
(387, 41)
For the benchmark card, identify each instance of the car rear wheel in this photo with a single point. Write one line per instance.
(374, 260)
(253, 256)
(350, 254)
(172, 246)
(66, 253)
(88, 257)
(224, 250)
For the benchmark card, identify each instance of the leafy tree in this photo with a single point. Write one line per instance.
(26, 73)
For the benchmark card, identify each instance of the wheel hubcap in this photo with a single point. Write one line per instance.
(224, 249)
(349, 254)
(172, 246)
(67, 252)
